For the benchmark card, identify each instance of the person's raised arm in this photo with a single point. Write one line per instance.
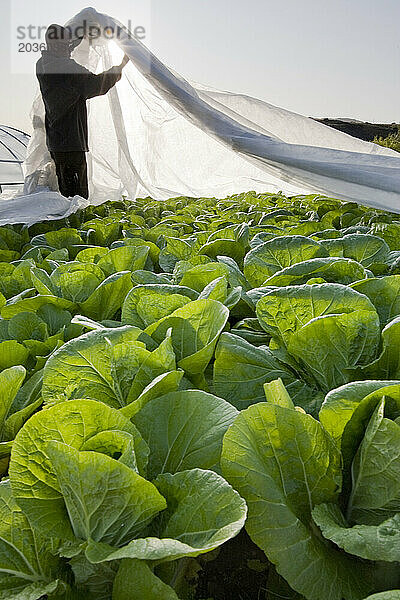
(125, 61)
(97, 85)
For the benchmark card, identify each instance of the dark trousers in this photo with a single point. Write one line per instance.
(71, 171)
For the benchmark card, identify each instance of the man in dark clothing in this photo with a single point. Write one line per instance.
(65, 86)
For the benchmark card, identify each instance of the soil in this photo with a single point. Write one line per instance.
(239, 572)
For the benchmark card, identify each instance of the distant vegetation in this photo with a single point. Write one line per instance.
(384, 134)
(362, 130)
(391, 141)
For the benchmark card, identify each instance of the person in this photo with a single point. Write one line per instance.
(65, 87)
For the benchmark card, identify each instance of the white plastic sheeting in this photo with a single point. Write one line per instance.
(13, 144)
(158, 134)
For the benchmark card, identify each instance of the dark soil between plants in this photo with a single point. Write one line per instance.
(239, 572)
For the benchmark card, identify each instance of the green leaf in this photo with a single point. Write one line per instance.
(233, 273)
(340, 404)
(283, 311)
(15, 279)
(146, 304)
(12, 396)
(102, 232)
(145, 277)
(391, 595)
(16, 420)
(216, 290)
(89, 323)
(154, 251)
(4, 335)
(390, 232)
(334, 270)
(54, 317)
(10, 382)
(224, 247)
(33, 479)
(375, 494)
(34, 305)
(10, 239)
(136, 581)
(200, 276)
(330, 346)
(106, 501)
(77, 286)
(58, 255)
(372, 542)
(284, 464)
(161, 360)
(159, 386)
(355, 428)
(121, 446)
(35, 591)
(384, 293)
(60, 276)
(364, 248)
(167, 425)
(277, 254)
(174, 250)
(241, 369)
(188, 518)
(195, 331)
(276, 393)
(29, 392)
(304, 228)
(108, 297)
(39, 349)
(203, 512)
(11, 354)
(63, 238)
(387, 365)
(95, 365)
(42, 282)
(94, 582)
(91, 254)
(28, 565)
(125, 258)
(27, 326)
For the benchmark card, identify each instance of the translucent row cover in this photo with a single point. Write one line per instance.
(158, 134)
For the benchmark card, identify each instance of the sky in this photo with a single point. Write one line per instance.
(322, 58)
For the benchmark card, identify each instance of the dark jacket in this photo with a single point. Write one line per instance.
(65, 87)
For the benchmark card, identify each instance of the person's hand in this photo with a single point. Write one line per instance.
(74, 43)
(125, 61)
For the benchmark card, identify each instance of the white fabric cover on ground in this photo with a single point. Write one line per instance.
(157, 134)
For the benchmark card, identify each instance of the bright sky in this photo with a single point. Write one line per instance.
(337, 58)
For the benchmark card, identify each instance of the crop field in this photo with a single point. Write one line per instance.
(200, 399)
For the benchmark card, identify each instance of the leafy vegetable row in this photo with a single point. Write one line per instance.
(171, 372)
